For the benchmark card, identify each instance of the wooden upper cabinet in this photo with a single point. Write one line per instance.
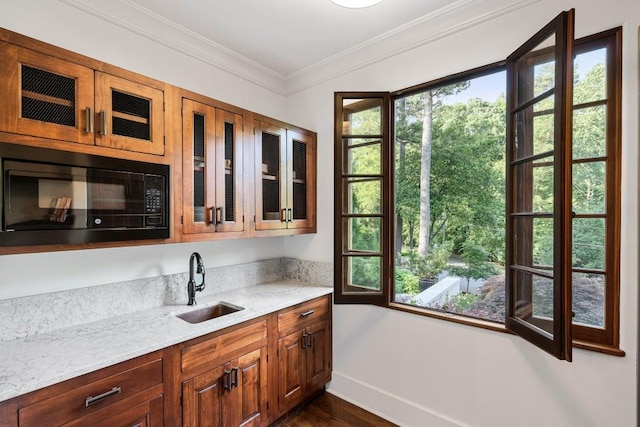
(44, 96)
(212, 170)
(285, 169)
(130, 115)
(48, 97)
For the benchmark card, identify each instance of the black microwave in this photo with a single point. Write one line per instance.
(58, 197)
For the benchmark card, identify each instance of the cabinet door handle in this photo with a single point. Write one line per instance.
(227, 380)
(211, 219)
(234, 382)
(290, 215)
(306, 313)
(304, 340)
(310, 340)
(95, 399)
(283, 215)
(103, 122)
(88, 114)
(219, 216)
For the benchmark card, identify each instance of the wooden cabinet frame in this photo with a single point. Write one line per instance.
(284, 221)
(95, 82)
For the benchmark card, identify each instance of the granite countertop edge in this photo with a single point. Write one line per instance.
(31, 363)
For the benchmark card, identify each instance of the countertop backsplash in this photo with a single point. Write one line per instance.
(37, 314)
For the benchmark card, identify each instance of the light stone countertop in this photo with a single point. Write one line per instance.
(34, 362)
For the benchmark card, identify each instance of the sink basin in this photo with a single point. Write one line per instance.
(210, 312)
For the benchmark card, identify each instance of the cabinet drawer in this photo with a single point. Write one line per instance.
(203, 354)
(92, 397)
(303, 314)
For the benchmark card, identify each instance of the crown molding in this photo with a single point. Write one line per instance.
(422, 31)
(455, 17)
(124, 13)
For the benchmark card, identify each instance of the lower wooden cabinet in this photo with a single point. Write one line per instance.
(145, 414)
(225, 377)
(304, 364)
(233, 394)
(247, 375)
(123, 395)
(304, 352)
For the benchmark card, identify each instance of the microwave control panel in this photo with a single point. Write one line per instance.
(153, 200)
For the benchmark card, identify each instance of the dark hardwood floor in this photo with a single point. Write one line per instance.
(328, 410)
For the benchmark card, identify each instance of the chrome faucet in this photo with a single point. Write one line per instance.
(192, 288)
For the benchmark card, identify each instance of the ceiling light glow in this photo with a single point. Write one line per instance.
(355, 4)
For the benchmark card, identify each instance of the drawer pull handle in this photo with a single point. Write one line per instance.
(95, 399)
(306, 313)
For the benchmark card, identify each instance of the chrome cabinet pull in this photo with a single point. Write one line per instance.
(283, 215)
(211, 220)
(306, 313)
(219, 219)
(304, 340)
(88, 113)
(91, 400)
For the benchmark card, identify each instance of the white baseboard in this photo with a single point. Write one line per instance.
(392, 408)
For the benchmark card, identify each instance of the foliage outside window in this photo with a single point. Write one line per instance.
(444, 239)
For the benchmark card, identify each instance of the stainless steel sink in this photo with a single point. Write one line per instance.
(210, 312)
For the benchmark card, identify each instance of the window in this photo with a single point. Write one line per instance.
(444, 151)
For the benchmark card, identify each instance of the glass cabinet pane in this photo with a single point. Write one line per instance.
(229, 171)
(199, 168)
(271, 176)
(298, 180)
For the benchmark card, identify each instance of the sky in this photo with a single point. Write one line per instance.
(491, 86)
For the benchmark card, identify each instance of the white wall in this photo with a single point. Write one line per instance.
(428, 372)
(57, 23)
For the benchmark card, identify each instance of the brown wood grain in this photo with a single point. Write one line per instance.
(328, 410)
(292, 318)
(197, 356)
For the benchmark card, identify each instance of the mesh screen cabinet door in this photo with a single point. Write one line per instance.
(130, 116)
(45, 96)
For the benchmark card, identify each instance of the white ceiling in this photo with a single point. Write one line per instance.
(286, 45)
(287, 36)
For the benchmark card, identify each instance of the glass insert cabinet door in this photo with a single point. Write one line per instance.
(538, 242)
(212, 170)
(285, 178)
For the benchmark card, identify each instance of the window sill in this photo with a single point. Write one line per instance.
(498, 327)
